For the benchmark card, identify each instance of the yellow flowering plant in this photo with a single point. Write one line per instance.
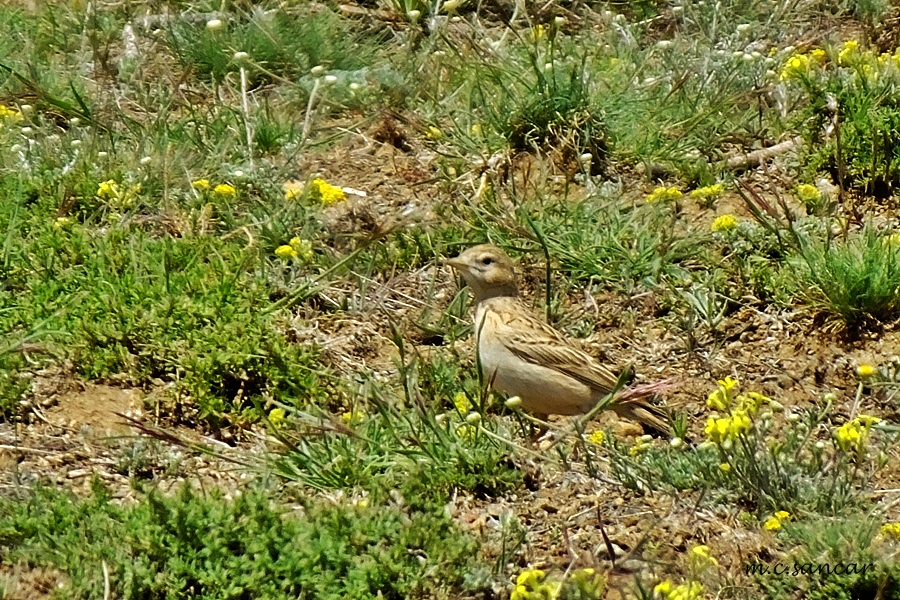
(858, 85)
(326, 193)
(664, 194)
(225, 190)
(535, 584)
(666, 590)
(118, 196)
(891, 531)
(724, 223)
(9, 115)
(852, 436)
(286, 252)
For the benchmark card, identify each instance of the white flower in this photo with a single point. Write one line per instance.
(214, 24)
(413, 15)
(330, 79)
(74, 121)
(663, 44)
(102, 154)
(238, 173)
(743, 27)
(146, 160)
(560, 21)
(548, 66)
(317, 70)
(25, 109)
(676, 442)
(75, 143)
(239, 56)
(354, 86)
(27, 130)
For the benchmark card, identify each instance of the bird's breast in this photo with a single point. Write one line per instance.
(542, 389)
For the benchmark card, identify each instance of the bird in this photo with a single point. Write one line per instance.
(523, 356)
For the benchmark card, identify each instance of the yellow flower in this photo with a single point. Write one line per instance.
(796, 66)
(849, 436)
(303, 248)
(597, 437)
(847, 52)
(721, 397)
(774, 522)
(664, 194)
(276, 416)
(9, 114)
(891, 530)
(466, 432)
(224, 189)
(292, 189)
(852, 436)
(707, 192)
(685, 591)
(201, 185)
(808, 194)
(354, 417)
(724, 223)
(817, 55)
(700, 555)
(865, 371)
(638, 448)
(868, 420)
(433, 133)
(723, 431)
(725, 468)
(892, 240)
(328, 194)
(461, 402)
(663, 588)
(108, 189)
(62, 223)
(285, 252)
(529, 577)
(751, 402)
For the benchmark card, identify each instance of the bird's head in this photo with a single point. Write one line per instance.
(487, 270)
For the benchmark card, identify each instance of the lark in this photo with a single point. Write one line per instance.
(523, 356)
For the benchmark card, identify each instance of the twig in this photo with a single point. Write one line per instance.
(309, 107)
(245, 105)
(105, 580)
(757, 157)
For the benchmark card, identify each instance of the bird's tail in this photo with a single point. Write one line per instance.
(639, 403)
(652, 416)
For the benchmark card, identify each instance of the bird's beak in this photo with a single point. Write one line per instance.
(457, 264)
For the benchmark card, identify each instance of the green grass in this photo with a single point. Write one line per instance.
(203, 546)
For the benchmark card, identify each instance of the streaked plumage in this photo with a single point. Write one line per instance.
(523, 356)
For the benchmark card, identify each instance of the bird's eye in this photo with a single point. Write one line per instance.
(487, 260)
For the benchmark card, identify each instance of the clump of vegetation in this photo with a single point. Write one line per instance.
(197, 546)
(851, 114)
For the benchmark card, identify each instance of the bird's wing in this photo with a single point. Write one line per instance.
(534, 341)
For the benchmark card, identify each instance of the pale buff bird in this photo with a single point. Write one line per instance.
(523, 356)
